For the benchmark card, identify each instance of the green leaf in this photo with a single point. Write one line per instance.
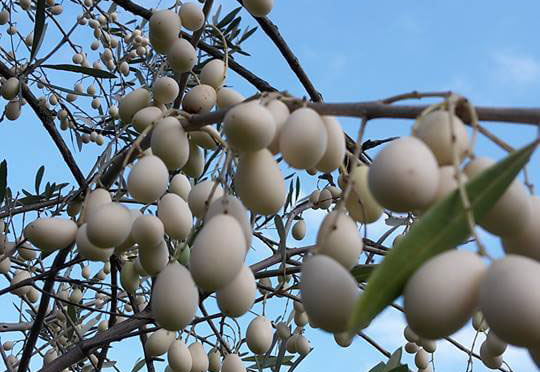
(402, 368)
(267, 362)
(83, 70)
(39, 27)
(394, 361)
(378, 368)
(39, 177)
(362, 272)
(442, 227)
(3, 180)
(138, 365)
(247, 34)
(228, 18)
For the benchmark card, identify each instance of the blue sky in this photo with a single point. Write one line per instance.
(355, 51)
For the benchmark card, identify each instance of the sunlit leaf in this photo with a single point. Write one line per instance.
(442, 227)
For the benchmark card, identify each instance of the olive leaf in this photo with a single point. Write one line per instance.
(83, 70)
(442, 227)
(39, 27)
(3, 180)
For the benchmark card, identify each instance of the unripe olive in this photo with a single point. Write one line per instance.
(265, 282)
(452, 299)
(147, 230)
(129, 278)
(303, 139)
(13, 110)
(233, 363)
(511, 307)
(148, 179)
(232, 206)
(300, 318)
(89, 251)
(179, 357)
(259, 182)
(227, 97)
(259, 335)
(195, 164)
(159, 342)
(165, 90)
(203, 139)
(512, 212)
(291, 343)
(479, 322)
(75, 296)
(527, 241)
(429, 345)
(4, 17)
(199, 357)
(199, 197)
(494, 345)
(214, 360)
(180, 186)
(404, 183)
(249, 127)
(421, 359)
(280, 112)
(8, 345)
(335, 148)
(218, 253)
(343, 339)
(170, 143)
(302, 345)
(489, 360)
(26, 251)
(435, 131)
(146, 117)
(176, 216)
(109, 226)
(164, 28)
(328, 293)
(153, 259)
(258, 8)
(10, 88)
(360, 202)
(5, 265)
(299, 230)
(283, 330)
(411, 348)
(200, 99)
(192, 16)
(447, 182)
(325, 199)
(175, 297)
(338, 238)
(213, 73)
(181, 56)
(50, 234)
(19, 276)
(132, 103)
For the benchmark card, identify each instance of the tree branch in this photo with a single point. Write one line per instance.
(272, 31)
(42, 310)
(47, 119)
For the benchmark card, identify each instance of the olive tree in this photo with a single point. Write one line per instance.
(193, 180)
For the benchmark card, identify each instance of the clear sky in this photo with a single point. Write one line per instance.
(357, 51)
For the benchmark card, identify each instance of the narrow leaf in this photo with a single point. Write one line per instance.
(228, 18)
(138, 365)
(39, 177)
(394, 361)
(402, 368)
(378, 368)
(83, 70)
(3, 180)
(38, 27)
(247, 34)
(362, 272)
(442, 227)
